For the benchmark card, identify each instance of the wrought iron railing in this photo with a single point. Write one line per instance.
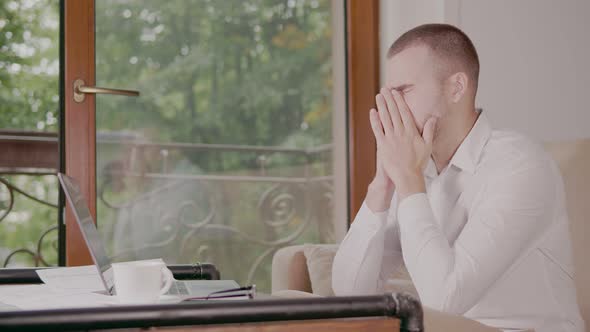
(285, 200)
(37, 253)
(284, 209)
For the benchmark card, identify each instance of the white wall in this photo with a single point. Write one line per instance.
(398, 16)
(534, 55)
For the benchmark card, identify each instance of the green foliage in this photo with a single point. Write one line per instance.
(251, 72)
(29, 65)
(29, 100)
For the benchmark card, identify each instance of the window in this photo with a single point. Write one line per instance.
(29, 126)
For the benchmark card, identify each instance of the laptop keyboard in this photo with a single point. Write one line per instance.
(178, 288)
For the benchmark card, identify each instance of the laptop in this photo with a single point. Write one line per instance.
(186, 289)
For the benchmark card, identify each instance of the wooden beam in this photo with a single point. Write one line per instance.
(28, 151)
(80, 129)
(342, 325)
(363, 85)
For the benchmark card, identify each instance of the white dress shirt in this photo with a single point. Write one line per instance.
(489, 240)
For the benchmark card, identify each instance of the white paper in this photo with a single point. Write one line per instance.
(46, 297)
(74, 278)
(77, 277)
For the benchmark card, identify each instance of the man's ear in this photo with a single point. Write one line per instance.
(458, 83)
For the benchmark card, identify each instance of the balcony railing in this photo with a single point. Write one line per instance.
(284, 208)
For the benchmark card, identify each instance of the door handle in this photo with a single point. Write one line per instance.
(80, 89)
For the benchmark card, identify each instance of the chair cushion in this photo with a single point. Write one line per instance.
(401, 285)
(573, 159)
(438, 321)
(401, 273)
(289, 269)
(292, 294)
(319, 264)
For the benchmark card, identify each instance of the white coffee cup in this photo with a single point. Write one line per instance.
(141, 282)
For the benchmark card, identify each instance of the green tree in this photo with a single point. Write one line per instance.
(29, 101)
(29, 65)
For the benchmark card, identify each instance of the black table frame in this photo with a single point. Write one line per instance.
(203, 271)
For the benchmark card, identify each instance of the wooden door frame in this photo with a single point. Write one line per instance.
(79, 122)
(362, 36)
(363, 85)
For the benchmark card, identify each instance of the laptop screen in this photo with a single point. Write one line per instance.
(88, 229)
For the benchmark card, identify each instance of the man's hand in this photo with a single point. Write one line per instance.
(401, 149)
(380, 189)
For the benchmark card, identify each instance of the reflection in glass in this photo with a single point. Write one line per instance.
(227, 154)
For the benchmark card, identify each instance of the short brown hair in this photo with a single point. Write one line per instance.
(447, 42)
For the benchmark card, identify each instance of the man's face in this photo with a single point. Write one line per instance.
(413, 73)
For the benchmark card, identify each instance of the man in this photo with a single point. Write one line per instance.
(477, 216)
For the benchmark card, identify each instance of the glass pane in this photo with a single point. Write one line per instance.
(29, 109)
(228, 154)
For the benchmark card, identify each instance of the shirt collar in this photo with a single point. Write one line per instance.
(467, 155)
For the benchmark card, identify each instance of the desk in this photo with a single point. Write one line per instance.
(388, 312)
(368, 324)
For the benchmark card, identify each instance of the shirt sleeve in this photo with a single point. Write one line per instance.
(510, 215)
(368, 255)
